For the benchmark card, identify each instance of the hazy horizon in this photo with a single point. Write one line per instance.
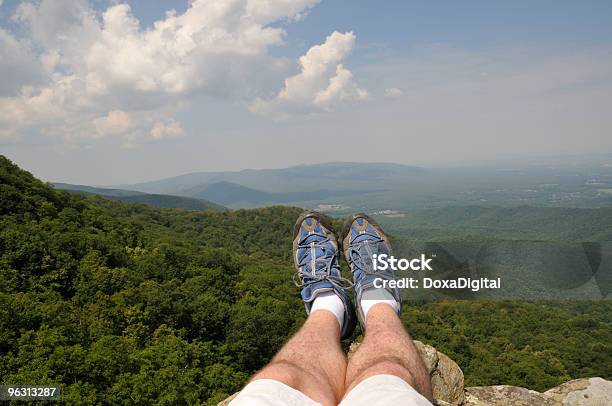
(592, 160)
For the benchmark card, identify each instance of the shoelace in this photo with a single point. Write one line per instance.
(321, 274)
(357, 258)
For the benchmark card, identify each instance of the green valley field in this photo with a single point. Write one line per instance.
(124, 303)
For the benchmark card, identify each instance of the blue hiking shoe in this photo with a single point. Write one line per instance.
(362, 238)
(315, 254)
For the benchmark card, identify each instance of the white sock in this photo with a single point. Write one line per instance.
(331, 302)
(375, 298)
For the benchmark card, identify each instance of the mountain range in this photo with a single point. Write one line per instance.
(303, 185)
(344, 187)
(346, 176)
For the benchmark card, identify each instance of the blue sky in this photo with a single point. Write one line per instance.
(402, 24)
(87, 100)
(467, 24)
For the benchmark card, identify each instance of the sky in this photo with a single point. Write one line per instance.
(110, 92)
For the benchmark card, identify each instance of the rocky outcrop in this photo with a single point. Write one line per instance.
(579, 392)
(505, 395)
(448, 387)
(582, 392)
(446, 376)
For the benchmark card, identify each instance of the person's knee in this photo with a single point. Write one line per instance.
(291, 374)
(281, 370)
(313, 383)
(384, 366)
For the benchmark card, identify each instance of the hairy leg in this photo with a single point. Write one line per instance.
(312, 361)
(387, 349)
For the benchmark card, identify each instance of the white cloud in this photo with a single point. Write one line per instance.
(18, 64)
(116, 122)
(159, 130)
(179, 54)
(94, 62)
(393, 92)
(267, 11)
(322, 83)
(171, 129)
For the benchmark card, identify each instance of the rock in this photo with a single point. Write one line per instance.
(579, 392)
(504, 395)
(447, 381)
(582, 392)
(446, 376)
(353, 347)
(429, 355)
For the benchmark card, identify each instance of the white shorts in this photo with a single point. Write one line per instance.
(378, 390)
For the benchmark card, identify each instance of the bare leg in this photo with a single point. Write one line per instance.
(387, 349)
(312, 361)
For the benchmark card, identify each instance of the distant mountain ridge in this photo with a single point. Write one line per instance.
(301, 185)
(232, 194)
(228, 193)
(132, 196)
(334, 175)
(371, 187)
(95, 190)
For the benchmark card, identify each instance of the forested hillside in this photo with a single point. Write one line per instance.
(129, 304)
(155, 200)
(513, 223)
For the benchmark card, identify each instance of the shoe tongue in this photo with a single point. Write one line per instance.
(313, 238)
(363, 237)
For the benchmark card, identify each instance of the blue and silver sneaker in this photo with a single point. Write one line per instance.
(315, 254)
(362, 238)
